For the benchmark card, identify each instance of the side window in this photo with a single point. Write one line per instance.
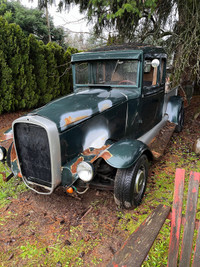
(100, 73)
(81, 70)
(151, 75)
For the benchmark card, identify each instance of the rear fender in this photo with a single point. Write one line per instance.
(125, 153)
(173, 108)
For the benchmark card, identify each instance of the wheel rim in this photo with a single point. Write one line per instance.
(140, 181)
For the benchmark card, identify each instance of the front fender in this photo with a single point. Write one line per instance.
(126, 152)
(121, 154)
(173, 108)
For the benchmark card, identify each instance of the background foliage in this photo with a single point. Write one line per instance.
(32, 21)
(173, 24)
(31, 73)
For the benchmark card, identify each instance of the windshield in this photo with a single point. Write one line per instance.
(108, 72)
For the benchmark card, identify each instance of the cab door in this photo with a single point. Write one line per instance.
(152, 98)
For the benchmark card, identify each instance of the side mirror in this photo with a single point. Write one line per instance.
(155, 63)
(147, 66)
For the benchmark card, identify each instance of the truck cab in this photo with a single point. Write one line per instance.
(129, 70)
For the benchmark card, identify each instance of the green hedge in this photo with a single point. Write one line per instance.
(31, 73)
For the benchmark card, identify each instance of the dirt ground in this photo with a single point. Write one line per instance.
(90, 221)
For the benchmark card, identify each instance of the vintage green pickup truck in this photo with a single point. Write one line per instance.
(99, 135)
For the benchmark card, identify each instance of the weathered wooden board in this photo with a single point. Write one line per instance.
(176, 218)
(136, 248)
(183, 220)
(186, 249)
(196, 260)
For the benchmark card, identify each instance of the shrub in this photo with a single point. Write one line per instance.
(31, 73)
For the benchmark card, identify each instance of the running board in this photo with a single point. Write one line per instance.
(158, 137)
(159, 143)
(150, 135)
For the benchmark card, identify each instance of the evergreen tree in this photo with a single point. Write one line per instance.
(68, 72)
(37, 60)
(32, 21)
(31, 73)
(6, 85)
(52, 73)
(17, 57)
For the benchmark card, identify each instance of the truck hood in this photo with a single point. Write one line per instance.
(75, 108)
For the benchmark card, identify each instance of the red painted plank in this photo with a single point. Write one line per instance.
(193, 189)
(176, 218)
(136, 248)
(196, 260)
(183, 220)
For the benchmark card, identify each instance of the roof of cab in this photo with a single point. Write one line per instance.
(128, 51)
(130, 46)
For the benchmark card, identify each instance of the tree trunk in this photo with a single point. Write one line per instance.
(186, 54)
(48, 22)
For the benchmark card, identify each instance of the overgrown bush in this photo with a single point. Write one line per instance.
(31, 73)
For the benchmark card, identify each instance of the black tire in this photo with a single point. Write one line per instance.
(130, 184)
(179, 126)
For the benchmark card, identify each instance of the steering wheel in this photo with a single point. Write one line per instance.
(126, 82)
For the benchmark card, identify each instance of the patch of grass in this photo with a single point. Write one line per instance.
(130, 220)
(30, 251)
(95, 261)
(3, 259)
(10, 189)
(71, 253)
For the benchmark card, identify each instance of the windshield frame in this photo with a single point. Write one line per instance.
(89, 85)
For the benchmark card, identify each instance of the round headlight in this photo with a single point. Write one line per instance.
(2, 153)
(85, 171)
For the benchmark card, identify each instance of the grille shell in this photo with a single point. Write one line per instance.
(33, 153)
(44, 131)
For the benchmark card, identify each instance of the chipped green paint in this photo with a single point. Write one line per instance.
(78, 107)
(126, 152)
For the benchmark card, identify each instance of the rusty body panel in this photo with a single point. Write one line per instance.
(69, 174)
(75, 164)
(14, 162)
(6, 137)
(98, 152)
(6, 134)
(6, 140)
(70, 120)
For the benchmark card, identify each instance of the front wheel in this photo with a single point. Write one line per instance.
(130, 184)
